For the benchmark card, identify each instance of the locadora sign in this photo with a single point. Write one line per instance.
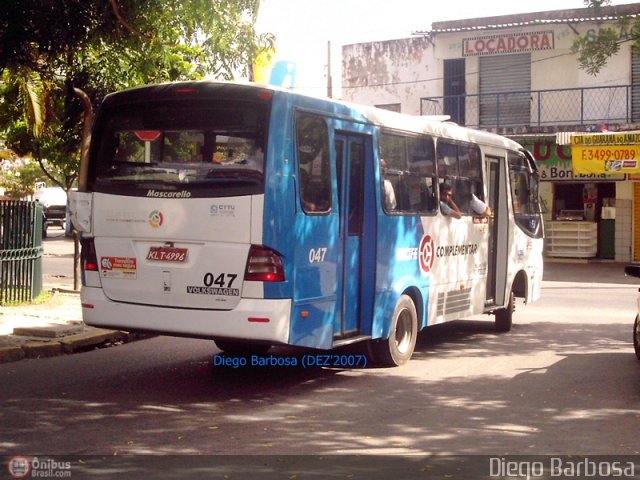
(606, 153)
(507, 43)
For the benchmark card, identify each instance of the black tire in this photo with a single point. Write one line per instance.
(233, 347)
(504, 316)
(398, 348)
(636, 336)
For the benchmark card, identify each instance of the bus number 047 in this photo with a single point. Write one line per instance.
(224, 280)
(316, 255)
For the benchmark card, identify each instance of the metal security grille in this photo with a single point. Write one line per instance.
(20, 251)
(505, 84)
(635, 84)
(454, 89)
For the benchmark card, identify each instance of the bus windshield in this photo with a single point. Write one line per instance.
(209, 148)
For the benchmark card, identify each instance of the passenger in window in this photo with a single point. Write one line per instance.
(447, 206)
(255, 159)
(390, 202)
(479, 207)
(314, 194)
(305, 193)
(473, 162)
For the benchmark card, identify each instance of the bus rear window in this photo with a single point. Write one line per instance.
(210, 148)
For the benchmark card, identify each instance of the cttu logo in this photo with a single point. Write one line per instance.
(156, 218)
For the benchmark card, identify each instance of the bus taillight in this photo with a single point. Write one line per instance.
(264, 265)
(88, 255)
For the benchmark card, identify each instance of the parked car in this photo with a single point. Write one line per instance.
(54, 206)
(634, 271)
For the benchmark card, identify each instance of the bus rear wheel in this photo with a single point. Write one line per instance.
(636, 336)
(504, 316)
(398, 348)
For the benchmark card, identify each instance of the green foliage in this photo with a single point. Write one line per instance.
(30, 113)
(48, 48)
(43, 298)
(594, 50)
(20, 182)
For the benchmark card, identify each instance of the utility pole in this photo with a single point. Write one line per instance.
(329, 85)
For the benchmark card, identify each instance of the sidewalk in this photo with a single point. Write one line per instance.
(54, 327)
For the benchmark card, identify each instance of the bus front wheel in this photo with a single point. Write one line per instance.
(398, 348)
(504, 316)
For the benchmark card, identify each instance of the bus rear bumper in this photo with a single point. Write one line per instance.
(252, 319)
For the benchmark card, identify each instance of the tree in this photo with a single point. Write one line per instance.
(20, 180)
(31, 111)
(52, 51)
(58, 58)
(595, 50)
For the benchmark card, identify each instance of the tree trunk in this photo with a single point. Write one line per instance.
(82, 180)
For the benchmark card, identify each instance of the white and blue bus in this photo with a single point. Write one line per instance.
(257, 217)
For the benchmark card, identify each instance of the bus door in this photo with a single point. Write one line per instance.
(498, 232)
(352, 152)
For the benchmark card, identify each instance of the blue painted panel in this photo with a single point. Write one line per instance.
(311, 324)
(398, 269)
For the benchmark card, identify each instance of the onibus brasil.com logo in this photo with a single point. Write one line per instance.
(23, 467)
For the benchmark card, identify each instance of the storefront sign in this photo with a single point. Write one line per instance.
(606, 138)
(606, 153)
(507, 43)
(607, 159)
(555, 165)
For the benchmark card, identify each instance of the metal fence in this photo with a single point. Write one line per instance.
(20, 251)
(619, 104)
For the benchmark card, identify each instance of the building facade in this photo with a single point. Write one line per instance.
(517, 75)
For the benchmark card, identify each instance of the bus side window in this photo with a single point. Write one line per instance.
(389, 187)
(524, 194)
(460, 165)
(471, 168)
(392, 166)
(448, 171)
(421, 159)
(314, 167)
(407, 166)
(447, 159)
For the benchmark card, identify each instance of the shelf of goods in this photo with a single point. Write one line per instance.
(572, 239)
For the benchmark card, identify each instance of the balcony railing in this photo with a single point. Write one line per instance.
(568, 107)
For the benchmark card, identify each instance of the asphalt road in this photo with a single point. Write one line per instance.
(57, 260)
(564, 381)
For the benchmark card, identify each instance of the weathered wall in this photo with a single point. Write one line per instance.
(389, 72)
(402, 71)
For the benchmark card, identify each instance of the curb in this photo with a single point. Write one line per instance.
(17, 347)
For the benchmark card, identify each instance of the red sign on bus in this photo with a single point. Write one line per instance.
(147, 135)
